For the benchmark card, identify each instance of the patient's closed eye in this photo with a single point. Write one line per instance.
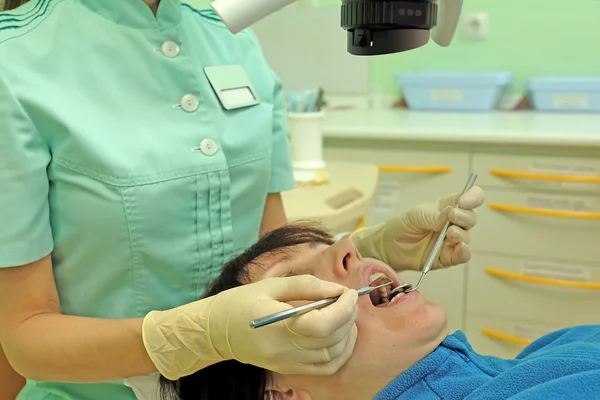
(295, 272)
(278, 395)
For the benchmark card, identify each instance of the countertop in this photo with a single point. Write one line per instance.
(516, 127)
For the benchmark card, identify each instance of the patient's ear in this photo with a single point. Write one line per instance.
(278, 393)
(279, 388)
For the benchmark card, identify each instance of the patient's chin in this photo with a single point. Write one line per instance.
(429, 323)
(436, 321)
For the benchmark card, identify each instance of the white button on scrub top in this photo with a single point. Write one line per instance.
(189, 103)
(208, 147)
(170, 49)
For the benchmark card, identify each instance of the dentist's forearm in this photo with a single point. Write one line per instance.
(56, 347)
(11, 382)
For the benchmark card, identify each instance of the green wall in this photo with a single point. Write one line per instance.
(198, 3)
(527, 37)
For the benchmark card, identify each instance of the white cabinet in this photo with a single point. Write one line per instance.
(536, 253)
(539, 224)
(494, 289)
(565, 171)
(503, 337)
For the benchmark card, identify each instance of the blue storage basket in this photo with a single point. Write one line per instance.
(463, 91)
(570, 94)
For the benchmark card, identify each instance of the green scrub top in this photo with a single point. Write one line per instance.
(138, 168)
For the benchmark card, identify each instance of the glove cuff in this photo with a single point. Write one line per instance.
(178, 340)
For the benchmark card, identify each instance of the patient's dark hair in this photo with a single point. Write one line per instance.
(232, 380)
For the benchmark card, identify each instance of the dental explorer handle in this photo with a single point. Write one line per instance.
(292, 312)
(280, 316)
(435, 252)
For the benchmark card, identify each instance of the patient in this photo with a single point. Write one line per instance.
(403, 349)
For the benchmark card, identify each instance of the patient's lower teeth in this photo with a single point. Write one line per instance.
(396, 297)
(403, 288)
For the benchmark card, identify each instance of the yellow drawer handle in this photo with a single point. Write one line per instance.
(540, 280)
(544, 177)
(414, 169)
(361, 223)
(543, 212)
(505, 337)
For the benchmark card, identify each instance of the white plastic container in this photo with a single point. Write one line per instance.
(306, 141)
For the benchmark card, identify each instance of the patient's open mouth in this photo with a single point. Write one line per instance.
(383, 296)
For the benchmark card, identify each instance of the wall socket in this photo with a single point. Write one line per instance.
(476, 26)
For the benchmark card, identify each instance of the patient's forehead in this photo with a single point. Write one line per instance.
(283, 262)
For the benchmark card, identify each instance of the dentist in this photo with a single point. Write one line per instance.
(142, 145)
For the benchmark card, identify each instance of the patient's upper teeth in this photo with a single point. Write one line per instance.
(384, 292)
(376, 276)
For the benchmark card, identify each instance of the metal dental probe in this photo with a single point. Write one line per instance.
(439, 243)
(269, 319)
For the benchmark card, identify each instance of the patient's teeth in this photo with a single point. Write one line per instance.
(384, 294)
(377, 276)
(397, 297)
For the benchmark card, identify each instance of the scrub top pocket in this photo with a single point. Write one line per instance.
(151, 245)
(180, 233)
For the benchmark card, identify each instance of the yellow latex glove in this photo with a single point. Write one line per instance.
(405, 241)
(186, 339)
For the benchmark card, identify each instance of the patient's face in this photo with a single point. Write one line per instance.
(391, 337)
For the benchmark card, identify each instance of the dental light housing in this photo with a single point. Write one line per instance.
(374, 27)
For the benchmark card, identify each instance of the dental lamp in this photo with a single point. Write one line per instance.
(374, 27)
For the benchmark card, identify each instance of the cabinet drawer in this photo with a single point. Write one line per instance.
(504, 338)
(538, 172)
(539, 225)
(444, 287)
(407, 177)
(561, 294)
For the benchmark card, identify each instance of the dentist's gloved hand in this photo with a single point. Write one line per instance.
(186, 339)
(405, 241)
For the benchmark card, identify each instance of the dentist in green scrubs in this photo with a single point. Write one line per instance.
(141, 145)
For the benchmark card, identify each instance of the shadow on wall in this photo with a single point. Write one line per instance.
(197, 3)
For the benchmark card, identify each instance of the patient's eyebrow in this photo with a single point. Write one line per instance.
(288, 256)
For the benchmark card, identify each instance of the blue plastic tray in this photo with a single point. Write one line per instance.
(453, 90)
(566, 94)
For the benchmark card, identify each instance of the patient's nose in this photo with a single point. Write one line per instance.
(343, 257)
